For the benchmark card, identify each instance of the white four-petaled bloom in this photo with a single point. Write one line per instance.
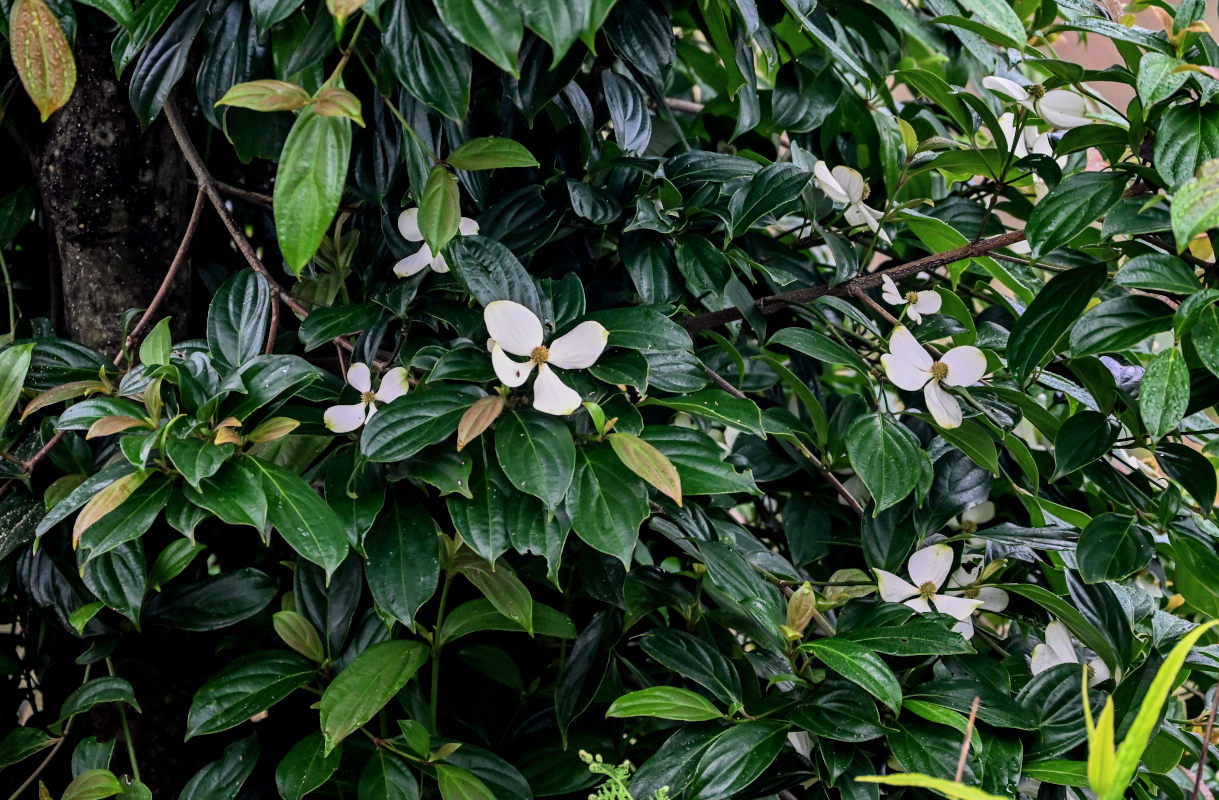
(1060, 649)
(517, 330)
(408, 226)
(965, 581)
(1057, 107)
(911, 367)
(394, 384)
(917, 303)
(845, 185)
(928, 570)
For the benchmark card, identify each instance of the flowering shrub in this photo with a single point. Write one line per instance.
(766, 394)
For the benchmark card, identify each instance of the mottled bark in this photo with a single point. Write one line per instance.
(117, 200)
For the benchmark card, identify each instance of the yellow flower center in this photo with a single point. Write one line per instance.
(1036, 91)
(911, 297)
(927, 590)
(939, 371)
(1091, 672)
(866, 193)
(367, 397)
(969, 526)
(970, 592)
(540, 355)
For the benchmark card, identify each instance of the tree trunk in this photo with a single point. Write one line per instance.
(117, 200)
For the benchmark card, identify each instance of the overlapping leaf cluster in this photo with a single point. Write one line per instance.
(777, 546)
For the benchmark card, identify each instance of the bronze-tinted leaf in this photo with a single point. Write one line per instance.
(41, 55)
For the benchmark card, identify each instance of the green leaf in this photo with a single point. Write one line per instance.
(306, 767)
(886, 456)
(1164, 392)
(223, 778)
(299, 634)
(93, 784)
(245, 687)
(1120, 323)
(493, 29)
(819, 346)
(1195, 206)
(235, 494)
(1159, 78)
(214, 603)
(309, 184)
(20, 743)
(1071, 207)
(482, 519)
(42, 56)
(163, 63)
(411, 423)
(108, 689)
(558, 22)
(428, 61)
(642, 328)
(1060, 772)
(324, 324)
(14, 364)
(1083, 630)
(914, 637)
(770, 191)
(606, 502)
(1112, 547)
(1060, 303)
(536, 453)
(197, 459)
(688, 655)
(719, 406)
(154, 350)
(1159, 272)
(491, 152)
(860, 666)
(386, 777)
(736, 759)
(403, 552)
(500, 585)
(699, 460)
(481, 615)
(456, 783)
(238, 319)
(1187, 138)
(842, 712)
(366, 686)
(128, 519)
(1194, 576)
(664, 702)
(1189, 468)
(1084, 437)
(491, 272)
(306, 522)
(439, 208)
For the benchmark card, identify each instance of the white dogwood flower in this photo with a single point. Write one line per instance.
(928, 569)
(517, 330)
(1059, 648)
(1059, 108)
(394, 384)
(965, 579)
(911, 367)
(846, 186)
(917, 303)
(408, 226)
(972, 518)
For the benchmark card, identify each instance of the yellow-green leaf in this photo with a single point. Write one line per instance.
(106, 501)
(266, 95)
(41, 55)
(950, 789)
(335, 102)
(648, 463)
(342, 9)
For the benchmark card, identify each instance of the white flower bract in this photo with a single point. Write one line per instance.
(1058, 108)
(1059, 648)
(845, 186)
(911, 367)
(408, 226)
(928, 569)
(394, 384)
(917, 303)
(517, 330)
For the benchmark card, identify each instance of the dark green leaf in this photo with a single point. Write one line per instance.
(411, 423)
(245, 687)
(305, 521)
(1059, 304)
(306, 767)
(1112, 547)
(1164, 392)
(1119, 323)
(860, 666)
(403, 566)
(607, 502)
(164, 62)
(737, 758)
(366, 686)
(1071, 207)
(537, 453)
(1084, 437)
(886, 456)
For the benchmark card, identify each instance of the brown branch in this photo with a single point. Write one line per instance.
(1205, 750)
(776, 302)
(969, 729)
(723, 383)
(685, 106)
(832, 479)
(265, 200)
(273, 327)
(137, 332)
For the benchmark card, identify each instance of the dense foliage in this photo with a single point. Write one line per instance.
(768, 394)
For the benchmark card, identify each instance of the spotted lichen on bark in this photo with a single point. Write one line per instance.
(41, 55)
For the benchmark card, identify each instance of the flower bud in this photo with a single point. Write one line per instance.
(800, 609)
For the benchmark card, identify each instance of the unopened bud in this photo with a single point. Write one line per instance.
(800, 609)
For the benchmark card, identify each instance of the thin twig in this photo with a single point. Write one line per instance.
(969, 731)
(832, 479)
(265, 200)
(776, 302)
(273, 328)
(1205, 750)
(723, 383)
(684, 106)
(137, 332)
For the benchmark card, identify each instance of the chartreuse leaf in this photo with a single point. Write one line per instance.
(14, 364)
(309, 184)
(665, 702)
(491, 152)
(366, 686)
(456, 783)
(647, 462)
(1109, 773)
(154, 350)
(41, 55)
(93, 784)
(950, 789)
(492, 28)
(1195, 206)
(266, 95)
